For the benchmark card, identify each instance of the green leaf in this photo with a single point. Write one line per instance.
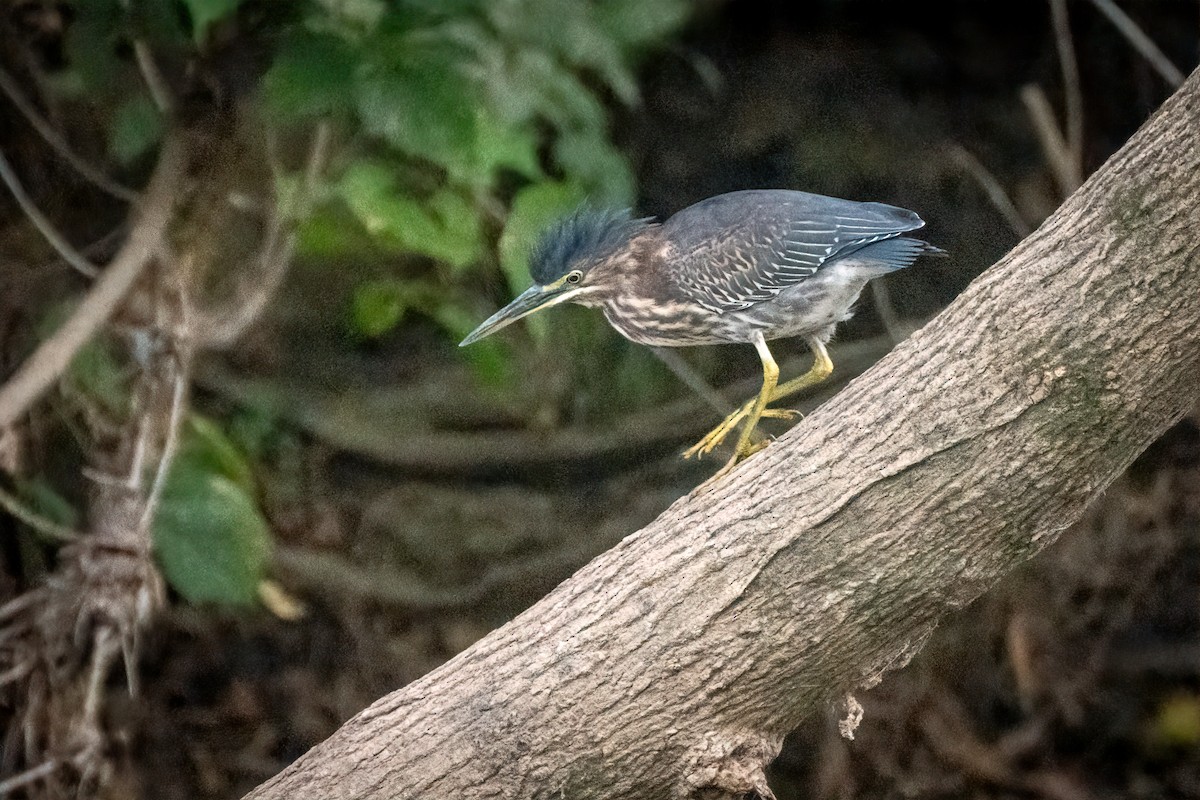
(423, 106)
(206, 12)
(1176, 722)
(636, 23)
(361, 14)
(313, 75)
(210, 537)
(206, 447)
(489, 358)
(571, 34)
(445, 227)
(91, 45)
(534, 209)
(503, 145)
(536, 85)
(591, 159)
(331, 232)
(377, 307)
(137, 127)
(459, 239)
(44, 499)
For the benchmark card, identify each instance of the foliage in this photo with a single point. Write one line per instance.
(466, 117)
(212, 541)
(464, 127)
(464, 124)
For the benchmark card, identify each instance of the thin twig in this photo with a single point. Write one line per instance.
(20, 604)
(53, 530)
(133, 480)
(1050, 135)
(992, 189)
(10, 450)
(16, 673)
(160, 93)
(892, 323)
(218, 330)
(28, 776)
(89, 251)
(1141, 42)
(171, 445)
(43, 223)
(53, 356)
(1071, 88)
(56, 141)
(692, 379)
(105, 649)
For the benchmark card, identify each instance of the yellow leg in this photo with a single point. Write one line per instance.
(754, 410)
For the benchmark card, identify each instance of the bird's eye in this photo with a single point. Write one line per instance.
(574, 276)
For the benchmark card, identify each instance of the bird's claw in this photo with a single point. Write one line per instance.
(738, 457)
(717, 435)
(709, 442)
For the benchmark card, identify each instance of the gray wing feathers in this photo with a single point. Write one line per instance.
(735, 250)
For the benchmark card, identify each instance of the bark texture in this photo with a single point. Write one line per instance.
(673, 665)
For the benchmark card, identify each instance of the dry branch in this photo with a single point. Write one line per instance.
(53, 356)
(218, 328)
(1071, 89)
(1140, 42)
(673, 665)
(49, 232)
(992, 189)
(8, 85)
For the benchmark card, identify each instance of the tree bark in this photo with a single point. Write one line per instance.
(674, 664)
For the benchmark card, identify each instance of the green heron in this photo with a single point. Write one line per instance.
(745, 267)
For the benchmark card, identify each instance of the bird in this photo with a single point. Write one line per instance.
(744, 267)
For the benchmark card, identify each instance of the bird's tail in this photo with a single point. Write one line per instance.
(880, 258)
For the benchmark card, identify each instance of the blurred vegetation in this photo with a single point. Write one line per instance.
(463, 128)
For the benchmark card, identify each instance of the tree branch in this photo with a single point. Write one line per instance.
(221, 329)
(65, 249)
(1140, 42)
(673, 665)
(53, 356)
(58, 142)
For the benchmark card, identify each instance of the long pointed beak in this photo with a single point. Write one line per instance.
(527, 302)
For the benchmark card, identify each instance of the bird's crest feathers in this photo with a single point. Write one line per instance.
(587, 234)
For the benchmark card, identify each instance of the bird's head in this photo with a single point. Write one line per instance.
(579, 259)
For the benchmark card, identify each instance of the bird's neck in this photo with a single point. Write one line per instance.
(631, 273)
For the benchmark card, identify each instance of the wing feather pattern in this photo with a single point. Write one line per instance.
(734, 250)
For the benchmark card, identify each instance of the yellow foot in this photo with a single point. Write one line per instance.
(718, 434)
(734, 460)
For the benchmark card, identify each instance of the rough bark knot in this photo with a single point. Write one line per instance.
(729, 765)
